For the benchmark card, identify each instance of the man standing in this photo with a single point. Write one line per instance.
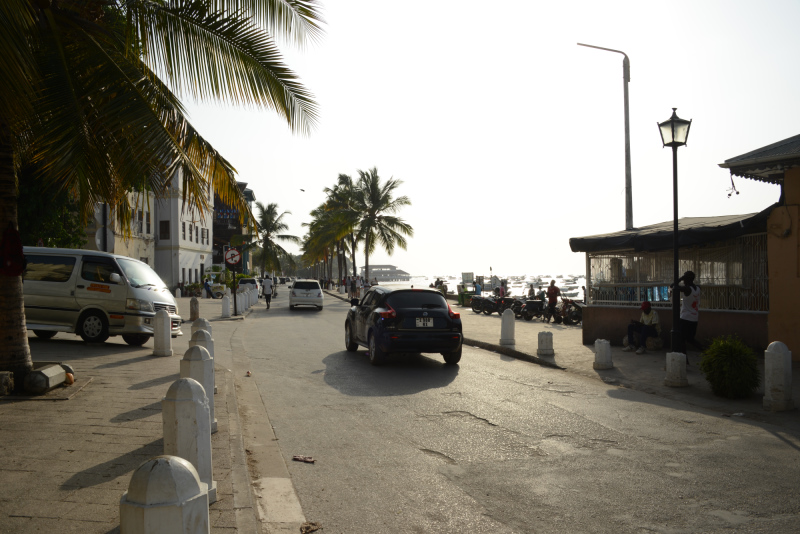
(478, 289)
(359, 285)
(647, 326)
(553, 292)
(690, 312)
(266, 290)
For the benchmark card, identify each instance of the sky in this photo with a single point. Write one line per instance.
(507, 136)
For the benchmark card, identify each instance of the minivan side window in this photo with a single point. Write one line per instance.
(48, 268)
(98, 270)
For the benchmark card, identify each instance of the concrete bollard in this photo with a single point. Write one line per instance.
(194, 309)
(602, 354)
(197, 363)
(187, 428)
(202, 324)
(203, 339)
(226, 307)
(165, 496)
(545, 344)
(778, 378)
(205, 294)
(177, 292)
(507, 328)
(676, 370)
(228, 291)
(162, 336)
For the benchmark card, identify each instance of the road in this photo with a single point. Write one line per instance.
(498, 445)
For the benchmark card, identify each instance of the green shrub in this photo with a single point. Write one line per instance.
(731, 367)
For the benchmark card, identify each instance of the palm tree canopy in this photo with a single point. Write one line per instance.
(271, 228)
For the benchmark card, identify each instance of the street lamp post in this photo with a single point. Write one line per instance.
(674, 133)
(626, 78)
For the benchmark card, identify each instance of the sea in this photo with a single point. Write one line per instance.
(518, 285)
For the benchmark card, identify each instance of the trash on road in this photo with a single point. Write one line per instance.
(309, 527)
(248, 373)
(306, 459)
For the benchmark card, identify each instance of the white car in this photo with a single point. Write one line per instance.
(250, 283)
(305, 293)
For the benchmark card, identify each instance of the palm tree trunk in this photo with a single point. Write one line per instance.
(366, 257)
(15, 354)
(353, 253)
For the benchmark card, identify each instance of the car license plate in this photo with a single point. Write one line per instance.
(425, 321)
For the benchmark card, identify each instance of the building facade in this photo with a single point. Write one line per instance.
(139, 244)
(228, 230)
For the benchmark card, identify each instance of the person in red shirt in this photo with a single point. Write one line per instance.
(553, 292)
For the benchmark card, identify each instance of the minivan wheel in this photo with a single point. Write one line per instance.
(452, 358)
(93, 327)
(376, 355)
(44, 334)
(349, 338)
(135, 340)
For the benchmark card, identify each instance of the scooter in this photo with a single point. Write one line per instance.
(477, 303)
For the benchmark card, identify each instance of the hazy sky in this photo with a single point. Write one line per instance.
(509, 137)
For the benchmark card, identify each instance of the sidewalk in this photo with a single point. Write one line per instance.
(69, 455)
(643, 372)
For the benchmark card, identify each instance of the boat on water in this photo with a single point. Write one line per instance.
(387, 273)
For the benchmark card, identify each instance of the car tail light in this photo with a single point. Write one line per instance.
(390, 314)
(453, 315)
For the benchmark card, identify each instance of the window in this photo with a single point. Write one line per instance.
(190, 273)
(48, 268)
(140, 222)
(196, 234)
(190, 232)
(163, 229)
(196, 278)
(98, 269)
(183, 274)
(183, 231)
(147, 222)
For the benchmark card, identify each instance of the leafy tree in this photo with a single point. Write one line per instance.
(377, 224)
(271, 226)
(53, 218)
(84, 103)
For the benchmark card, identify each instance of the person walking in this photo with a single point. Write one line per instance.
(359, 285)
(353, 287)
(553, 292)
(266, 290)
(690, 310)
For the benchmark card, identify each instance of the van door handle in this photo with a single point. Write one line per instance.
(80, 287)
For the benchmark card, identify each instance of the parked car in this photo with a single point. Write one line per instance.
(305, 293)
(403, 320)
(250, 283)
(94, 294)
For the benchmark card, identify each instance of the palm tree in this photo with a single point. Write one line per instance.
(342, 201)
(270, 228)
(377, 224)
(85, 108)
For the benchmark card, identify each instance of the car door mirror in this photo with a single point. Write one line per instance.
(115, 278)
(353, 302)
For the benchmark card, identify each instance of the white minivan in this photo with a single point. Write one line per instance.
(93, 294)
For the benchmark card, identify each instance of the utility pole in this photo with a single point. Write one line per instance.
(626, 77)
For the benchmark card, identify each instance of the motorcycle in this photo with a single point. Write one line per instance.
(497, 304)
(477, 303)
(571, 311)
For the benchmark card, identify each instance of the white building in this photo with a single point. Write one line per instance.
(140, 244)
(183, 238)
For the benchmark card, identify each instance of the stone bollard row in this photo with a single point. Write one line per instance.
(162, 334)
(198, 365)
(226, 307)
(778, 378)
(507, 328)
(602, 354)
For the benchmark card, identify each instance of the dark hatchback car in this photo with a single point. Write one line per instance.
(403, 320)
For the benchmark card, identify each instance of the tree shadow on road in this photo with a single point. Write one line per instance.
(403, 374)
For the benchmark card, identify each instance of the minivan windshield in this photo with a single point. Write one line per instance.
(140, 274)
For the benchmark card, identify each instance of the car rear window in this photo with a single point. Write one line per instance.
(306, 285)
(247, 281)
(416, 299)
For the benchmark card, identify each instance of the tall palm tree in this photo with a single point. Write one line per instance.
(84, 105)
(271, 226)
(342, 201)
(378, 225)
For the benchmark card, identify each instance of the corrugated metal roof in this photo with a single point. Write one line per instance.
(768, 163)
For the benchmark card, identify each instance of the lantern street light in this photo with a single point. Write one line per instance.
(674, 133)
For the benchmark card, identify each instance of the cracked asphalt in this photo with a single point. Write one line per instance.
(500, 445)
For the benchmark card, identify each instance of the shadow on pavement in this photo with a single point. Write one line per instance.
(403, 374)
(139, 413)
(160, 381)
(103, 472)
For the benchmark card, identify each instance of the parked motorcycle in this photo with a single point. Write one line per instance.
(497, 304)
(572, 311)
(477, 303)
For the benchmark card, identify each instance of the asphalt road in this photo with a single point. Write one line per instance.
(498, 445)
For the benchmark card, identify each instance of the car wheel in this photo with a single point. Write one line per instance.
(135, 340)
(319, 308)
(93, 327)
(44, 334)
(350, 338)
(218, 295)
(376, 355)
(452, 358)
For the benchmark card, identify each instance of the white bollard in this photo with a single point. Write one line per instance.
(194, 309)
(177, 292)
(602, 354)
(507, 328)
(202, 324)
(778, 378)
(676, 370)
(162, 336)
(187, 428)
(228, 291)
(545, 344)
(165, 496)
(203, 339)
(197, 363)
(205, 294)
(226, 307)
